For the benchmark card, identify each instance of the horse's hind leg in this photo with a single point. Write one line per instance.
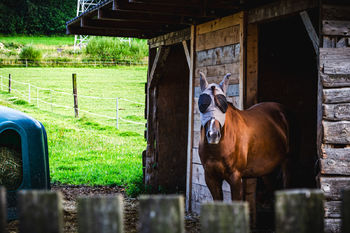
(215, 186)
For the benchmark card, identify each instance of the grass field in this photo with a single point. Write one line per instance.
(88, 150)
(38, 40)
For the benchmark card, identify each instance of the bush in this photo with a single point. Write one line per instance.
(30, 53)
(107, 49)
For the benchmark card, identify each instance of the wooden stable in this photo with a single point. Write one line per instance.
(295, 52)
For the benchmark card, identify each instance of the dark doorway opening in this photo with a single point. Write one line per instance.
(288, 75)
(172, 122)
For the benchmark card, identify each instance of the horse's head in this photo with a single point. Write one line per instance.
(212, 105)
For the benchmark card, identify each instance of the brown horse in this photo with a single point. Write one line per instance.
(236, 144)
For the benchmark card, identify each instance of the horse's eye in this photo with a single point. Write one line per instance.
(204, 102)
(221, 103)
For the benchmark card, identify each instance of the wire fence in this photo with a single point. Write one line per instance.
(118, 111)
(66, 63)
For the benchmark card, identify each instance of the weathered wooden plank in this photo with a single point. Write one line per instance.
(196, 138)
(160, 213)
(335, 161)
(299, 211)
(170, 38)
(336, 112)
(336, 95)
(187, 53)
(332, 225)
(219, 24)
(336, 28)
(196, 158)
(201, 193)
(310, 30)
(334, 186)
(198, 177)
(218, 56)
(335, 60)
(225, 217)
(215, 74)
(222, 37)
(345, 210)
(335, 12)
(336, 132)
(102, 214)
(197, 125)
(278, 9)
(40, 212)
(252, 66)
(332, 209)
(232, 91)
(335, 80)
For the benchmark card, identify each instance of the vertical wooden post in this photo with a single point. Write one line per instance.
(75, 95)
(346, 212)
(40, 212)
(101, 214)
(117, 117)
(3, 210)
(225, 217)
(37, 97)
(159, 214)
(299, 211)
(9, 83)
(28, 92)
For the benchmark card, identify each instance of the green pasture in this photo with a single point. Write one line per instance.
(87, 150)
(38, 40)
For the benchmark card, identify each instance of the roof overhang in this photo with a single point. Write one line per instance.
(150, 18)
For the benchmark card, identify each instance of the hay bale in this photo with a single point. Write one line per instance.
(10, 168)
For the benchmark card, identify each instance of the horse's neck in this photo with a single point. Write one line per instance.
(234, 122)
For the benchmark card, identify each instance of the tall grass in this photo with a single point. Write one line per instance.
(105, 48)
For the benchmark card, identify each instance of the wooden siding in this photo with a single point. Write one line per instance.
(217, 52)
(335, 78)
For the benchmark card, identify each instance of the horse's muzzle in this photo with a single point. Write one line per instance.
(213, 137)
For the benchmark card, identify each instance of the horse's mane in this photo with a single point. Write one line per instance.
(231, 104)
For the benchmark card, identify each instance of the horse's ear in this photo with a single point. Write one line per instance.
(203, 81)
(224, 82)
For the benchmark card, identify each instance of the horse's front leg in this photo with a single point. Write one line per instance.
(214, 184)
(236, 186)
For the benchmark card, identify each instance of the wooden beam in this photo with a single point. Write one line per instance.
(158, 65)
(187, 54)
(109, 32)
(170, 38)
(336, 28)
(310, 30)
(125, 5)
(131, 26)
(116, 15)
(279, 8)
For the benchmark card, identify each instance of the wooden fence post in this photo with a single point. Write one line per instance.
(346, 212)
(9, 83)
(40, 211)
(103, 214)
(299, 210)
(3, 210)
(225, 217)
(162, 214)
(75, 95)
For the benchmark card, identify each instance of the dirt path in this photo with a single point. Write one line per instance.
(70, 194)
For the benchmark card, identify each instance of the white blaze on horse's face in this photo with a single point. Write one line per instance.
(212, 105)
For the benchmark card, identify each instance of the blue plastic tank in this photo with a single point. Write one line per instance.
(27, 136)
